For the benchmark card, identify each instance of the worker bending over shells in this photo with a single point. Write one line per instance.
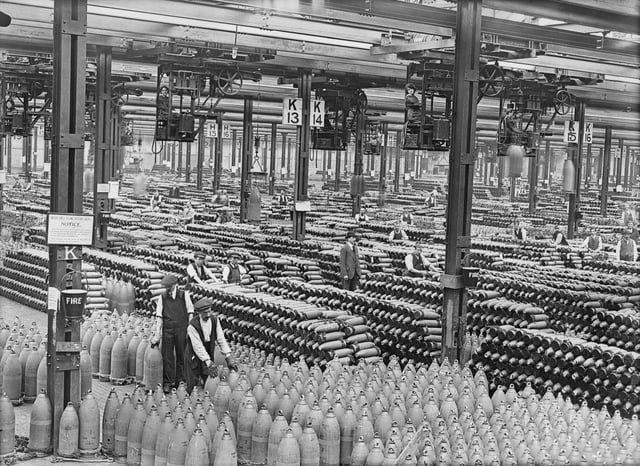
(203, 333)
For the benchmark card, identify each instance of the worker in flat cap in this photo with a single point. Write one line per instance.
(174, 311)
(626, 249)
(233, 271)
(203, 333)
(198, 273)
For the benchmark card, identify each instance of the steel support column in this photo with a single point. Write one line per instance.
(588, 165)
(599, 166)
(301, 183)
(358, 160)
(461, 161)
(179, 159)
(103, 155)
(200, 158)
(2, 142)
(9, 152)
(533, 183)
(396, 173)
(187, 163)
(234, 142)
(173, 157)
(576, 149)
(34, 163)
(336, 186)
(382, 180)
(627, 166)
(289, 158)
(283, 156)
(69, 53)
(27, 141)
(606, 167)
(619, 162)
(272, 162)
(246, 158)
(217, 160)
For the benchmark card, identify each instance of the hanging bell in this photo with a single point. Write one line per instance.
(569, 177)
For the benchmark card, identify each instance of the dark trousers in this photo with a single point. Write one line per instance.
(196, 373)
(350, 283)
(173, 339)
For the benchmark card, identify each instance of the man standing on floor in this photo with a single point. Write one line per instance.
(350, 263)
(174, 310)
(203, 333)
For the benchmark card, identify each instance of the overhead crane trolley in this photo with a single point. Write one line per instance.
(179, 97)
(428, 127)
(526, 96)
(341, 107)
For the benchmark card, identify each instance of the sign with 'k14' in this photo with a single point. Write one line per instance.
(292, 112)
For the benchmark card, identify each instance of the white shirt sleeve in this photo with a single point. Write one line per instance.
(225, 273)
(524, 234)
(221, 340)
(187, 300)
(198, 346)
(408, 262)
(618, 250)
(191, 273)
(210, 274)
(635, 250)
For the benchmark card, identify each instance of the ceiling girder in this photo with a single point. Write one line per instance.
(412, 14)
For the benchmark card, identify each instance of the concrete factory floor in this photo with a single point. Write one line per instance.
(9, 310)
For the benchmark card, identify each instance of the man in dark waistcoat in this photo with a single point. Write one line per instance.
(233, 271)
(174, 310)
(203, 333)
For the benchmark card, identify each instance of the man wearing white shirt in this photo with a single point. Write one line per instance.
(233, 271)
(593, 242)
(417, 264)
(198, 273)
(203, 333)
(626, 249)
(174, 310)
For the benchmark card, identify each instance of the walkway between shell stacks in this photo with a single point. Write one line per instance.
(8, 311)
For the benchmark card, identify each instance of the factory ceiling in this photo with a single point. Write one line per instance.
(594, 41)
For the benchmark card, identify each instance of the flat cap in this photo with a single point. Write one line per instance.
(203, 305)
(169, 280)
(199, 254)
(235, 254)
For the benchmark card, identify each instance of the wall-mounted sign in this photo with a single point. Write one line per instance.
(570, 132)
(292, 111)
(69, 230)
(588, 132)
(211, 129)
(317, 113)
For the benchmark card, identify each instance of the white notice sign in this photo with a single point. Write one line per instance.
(317, 113)
(69, 230)
(570, 132)
(588, 132)
(292, 112)
(226, 131)
(211, 129)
